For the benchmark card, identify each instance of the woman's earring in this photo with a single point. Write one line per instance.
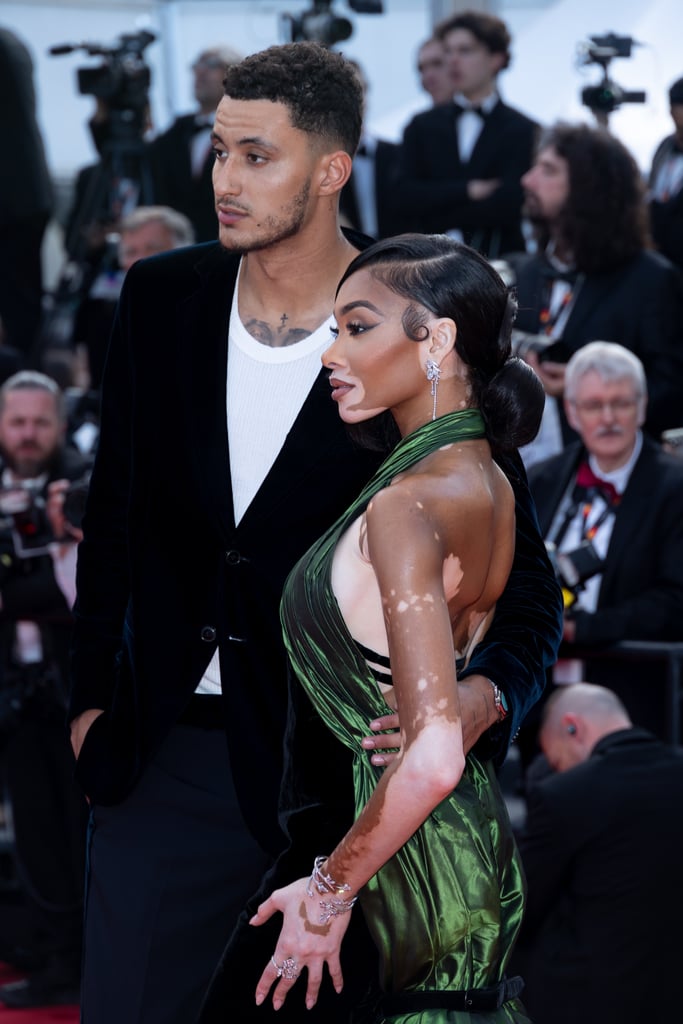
(433, 374)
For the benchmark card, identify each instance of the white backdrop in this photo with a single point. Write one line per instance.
(543, 79)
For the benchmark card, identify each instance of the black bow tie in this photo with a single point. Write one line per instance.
(474, 109)
(200, 125)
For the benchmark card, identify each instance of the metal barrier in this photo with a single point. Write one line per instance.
(644, 650)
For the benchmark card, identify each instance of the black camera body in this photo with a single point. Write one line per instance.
(574, 568)
(321, 25)
(123, 78)
(607, 96)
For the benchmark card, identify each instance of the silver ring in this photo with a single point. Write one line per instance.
(287, 969)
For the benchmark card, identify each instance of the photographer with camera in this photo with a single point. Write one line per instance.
(41, 481)
(611, 507)
(594, 276)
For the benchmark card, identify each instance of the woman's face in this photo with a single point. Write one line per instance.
(373, 364)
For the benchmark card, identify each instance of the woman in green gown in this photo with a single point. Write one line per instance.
(375, 616)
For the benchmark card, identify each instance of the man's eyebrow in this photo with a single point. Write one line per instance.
(247, 140)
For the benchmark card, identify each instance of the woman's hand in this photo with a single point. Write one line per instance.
(304, 942)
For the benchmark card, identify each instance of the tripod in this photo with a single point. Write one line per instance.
(122, 180)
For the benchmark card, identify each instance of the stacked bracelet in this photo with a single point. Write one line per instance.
(326, 886)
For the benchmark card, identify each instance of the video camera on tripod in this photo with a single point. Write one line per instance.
(123, 78)
(607, 96)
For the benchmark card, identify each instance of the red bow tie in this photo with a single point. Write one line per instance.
(586, 478)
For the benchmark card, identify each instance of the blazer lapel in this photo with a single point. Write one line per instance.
(203, 339)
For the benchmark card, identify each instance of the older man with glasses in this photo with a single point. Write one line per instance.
(610, 508)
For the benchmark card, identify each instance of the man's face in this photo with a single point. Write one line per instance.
(434, 73)
(209, 72)
(473, 68)
(607, 415)
(561, 748)
(31, 431)
(146, 240)
(263, 174)
(546, 186)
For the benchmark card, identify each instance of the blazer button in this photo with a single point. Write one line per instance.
(208, 634)
(233, 557)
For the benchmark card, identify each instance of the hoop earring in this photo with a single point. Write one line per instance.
(433, 375)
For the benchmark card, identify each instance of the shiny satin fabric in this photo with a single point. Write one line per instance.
(445, 910)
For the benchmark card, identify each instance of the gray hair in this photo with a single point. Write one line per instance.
(176, 223)
(610, 361)
(32, 380)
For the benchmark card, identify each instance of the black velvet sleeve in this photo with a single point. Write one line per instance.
(522, 642)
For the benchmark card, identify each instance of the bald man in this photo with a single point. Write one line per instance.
(602, 853)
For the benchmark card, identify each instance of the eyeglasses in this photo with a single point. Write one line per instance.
(617, 406)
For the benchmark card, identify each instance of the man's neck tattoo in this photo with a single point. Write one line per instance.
(275, 337)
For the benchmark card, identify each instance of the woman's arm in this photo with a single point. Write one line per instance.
(432, 759)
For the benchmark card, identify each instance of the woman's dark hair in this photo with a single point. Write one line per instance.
(441, 277)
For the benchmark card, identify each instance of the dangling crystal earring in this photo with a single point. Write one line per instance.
(433, 374)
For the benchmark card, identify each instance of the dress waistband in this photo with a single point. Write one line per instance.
(474, 1000)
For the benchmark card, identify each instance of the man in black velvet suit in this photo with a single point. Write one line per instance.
(221, 458)
(633, 519)
(594, 276)
(461, 162)
(181, 156)
(601, 851)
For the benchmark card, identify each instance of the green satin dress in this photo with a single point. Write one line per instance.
(444, 912)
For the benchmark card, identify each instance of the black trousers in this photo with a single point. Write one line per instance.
(169, 870)
(49, 816)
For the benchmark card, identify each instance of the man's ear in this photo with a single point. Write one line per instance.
(335, 171)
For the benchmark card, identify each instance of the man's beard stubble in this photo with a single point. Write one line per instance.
(273, 229)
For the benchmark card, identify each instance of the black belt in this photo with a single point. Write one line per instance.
(473, 1000)
(205, 711)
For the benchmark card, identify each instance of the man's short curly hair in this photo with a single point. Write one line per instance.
(320, 89)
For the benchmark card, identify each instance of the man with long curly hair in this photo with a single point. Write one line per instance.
(593, 276)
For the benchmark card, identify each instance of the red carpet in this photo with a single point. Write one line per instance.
(46, 1015)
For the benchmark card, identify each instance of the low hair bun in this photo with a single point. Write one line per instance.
(512, 405)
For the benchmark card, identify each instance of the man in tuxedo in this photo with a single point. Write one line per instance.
(665, 196)
(612, 506)
(181, 156)
(461, 162)
(221, 458)
(600, 847)
(432, 67)
(594, 276)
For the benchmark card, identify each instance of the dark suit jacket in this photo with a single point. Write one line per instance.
(641, 594)
(601, 847)
(386, 167)
(666, 216)
(175, 184)
(432, 188)
(639, 305)
(165, 575)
